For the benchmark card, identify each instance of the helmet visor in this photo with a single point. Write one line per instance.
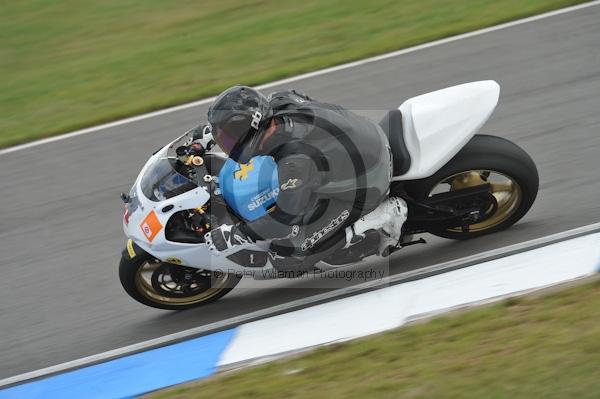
(232, 133)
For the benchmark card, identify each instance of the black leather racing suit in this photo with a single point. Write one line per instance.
(334, 167)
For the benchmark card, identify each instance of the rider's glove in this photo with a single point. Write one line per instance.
(202, 135)
(225, 237)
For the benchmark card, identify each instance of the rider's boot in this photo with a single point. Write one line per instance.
(388, 217)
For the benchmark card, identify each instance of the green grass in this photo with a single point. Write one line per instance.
(69, 64)
(532, 347)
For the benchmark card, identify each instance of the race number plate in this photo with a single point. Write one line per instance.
(151, 226)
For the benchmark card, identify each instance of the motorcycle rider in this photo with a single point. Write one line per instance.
(334, 171)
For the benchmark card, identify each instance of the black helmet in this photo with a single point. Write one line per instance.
(237, 116)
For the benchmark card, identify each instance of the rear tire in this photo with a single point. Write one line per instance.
(148, 291)
(486, 155)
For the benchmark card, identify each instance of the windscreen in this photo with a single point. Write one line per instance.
(161, 179)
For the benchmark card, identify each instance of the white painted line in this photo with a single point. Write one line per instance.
(305, 76)
(308, 301)
(391, 307)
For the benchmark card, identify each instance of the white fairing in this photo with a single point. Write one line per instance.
(194, 255)
(438, 124)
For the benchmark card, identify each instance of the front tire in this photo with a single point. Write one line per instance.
(172, 287)
(482, 160)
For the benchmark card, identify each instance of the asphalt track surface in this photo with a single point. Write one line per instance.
(61, 237)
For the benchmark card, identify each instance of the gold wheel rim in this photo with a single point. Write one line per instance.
(144, 286)
(506, 190)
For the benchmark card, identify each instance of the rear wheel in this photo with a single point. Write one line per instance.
(510, 172)
(172, 287)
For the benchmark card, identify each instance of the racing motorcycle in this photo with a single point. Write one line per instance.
(457, 184)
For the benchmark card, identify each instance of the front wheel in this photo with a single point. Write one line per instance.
(510, 172)
(173, 287)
